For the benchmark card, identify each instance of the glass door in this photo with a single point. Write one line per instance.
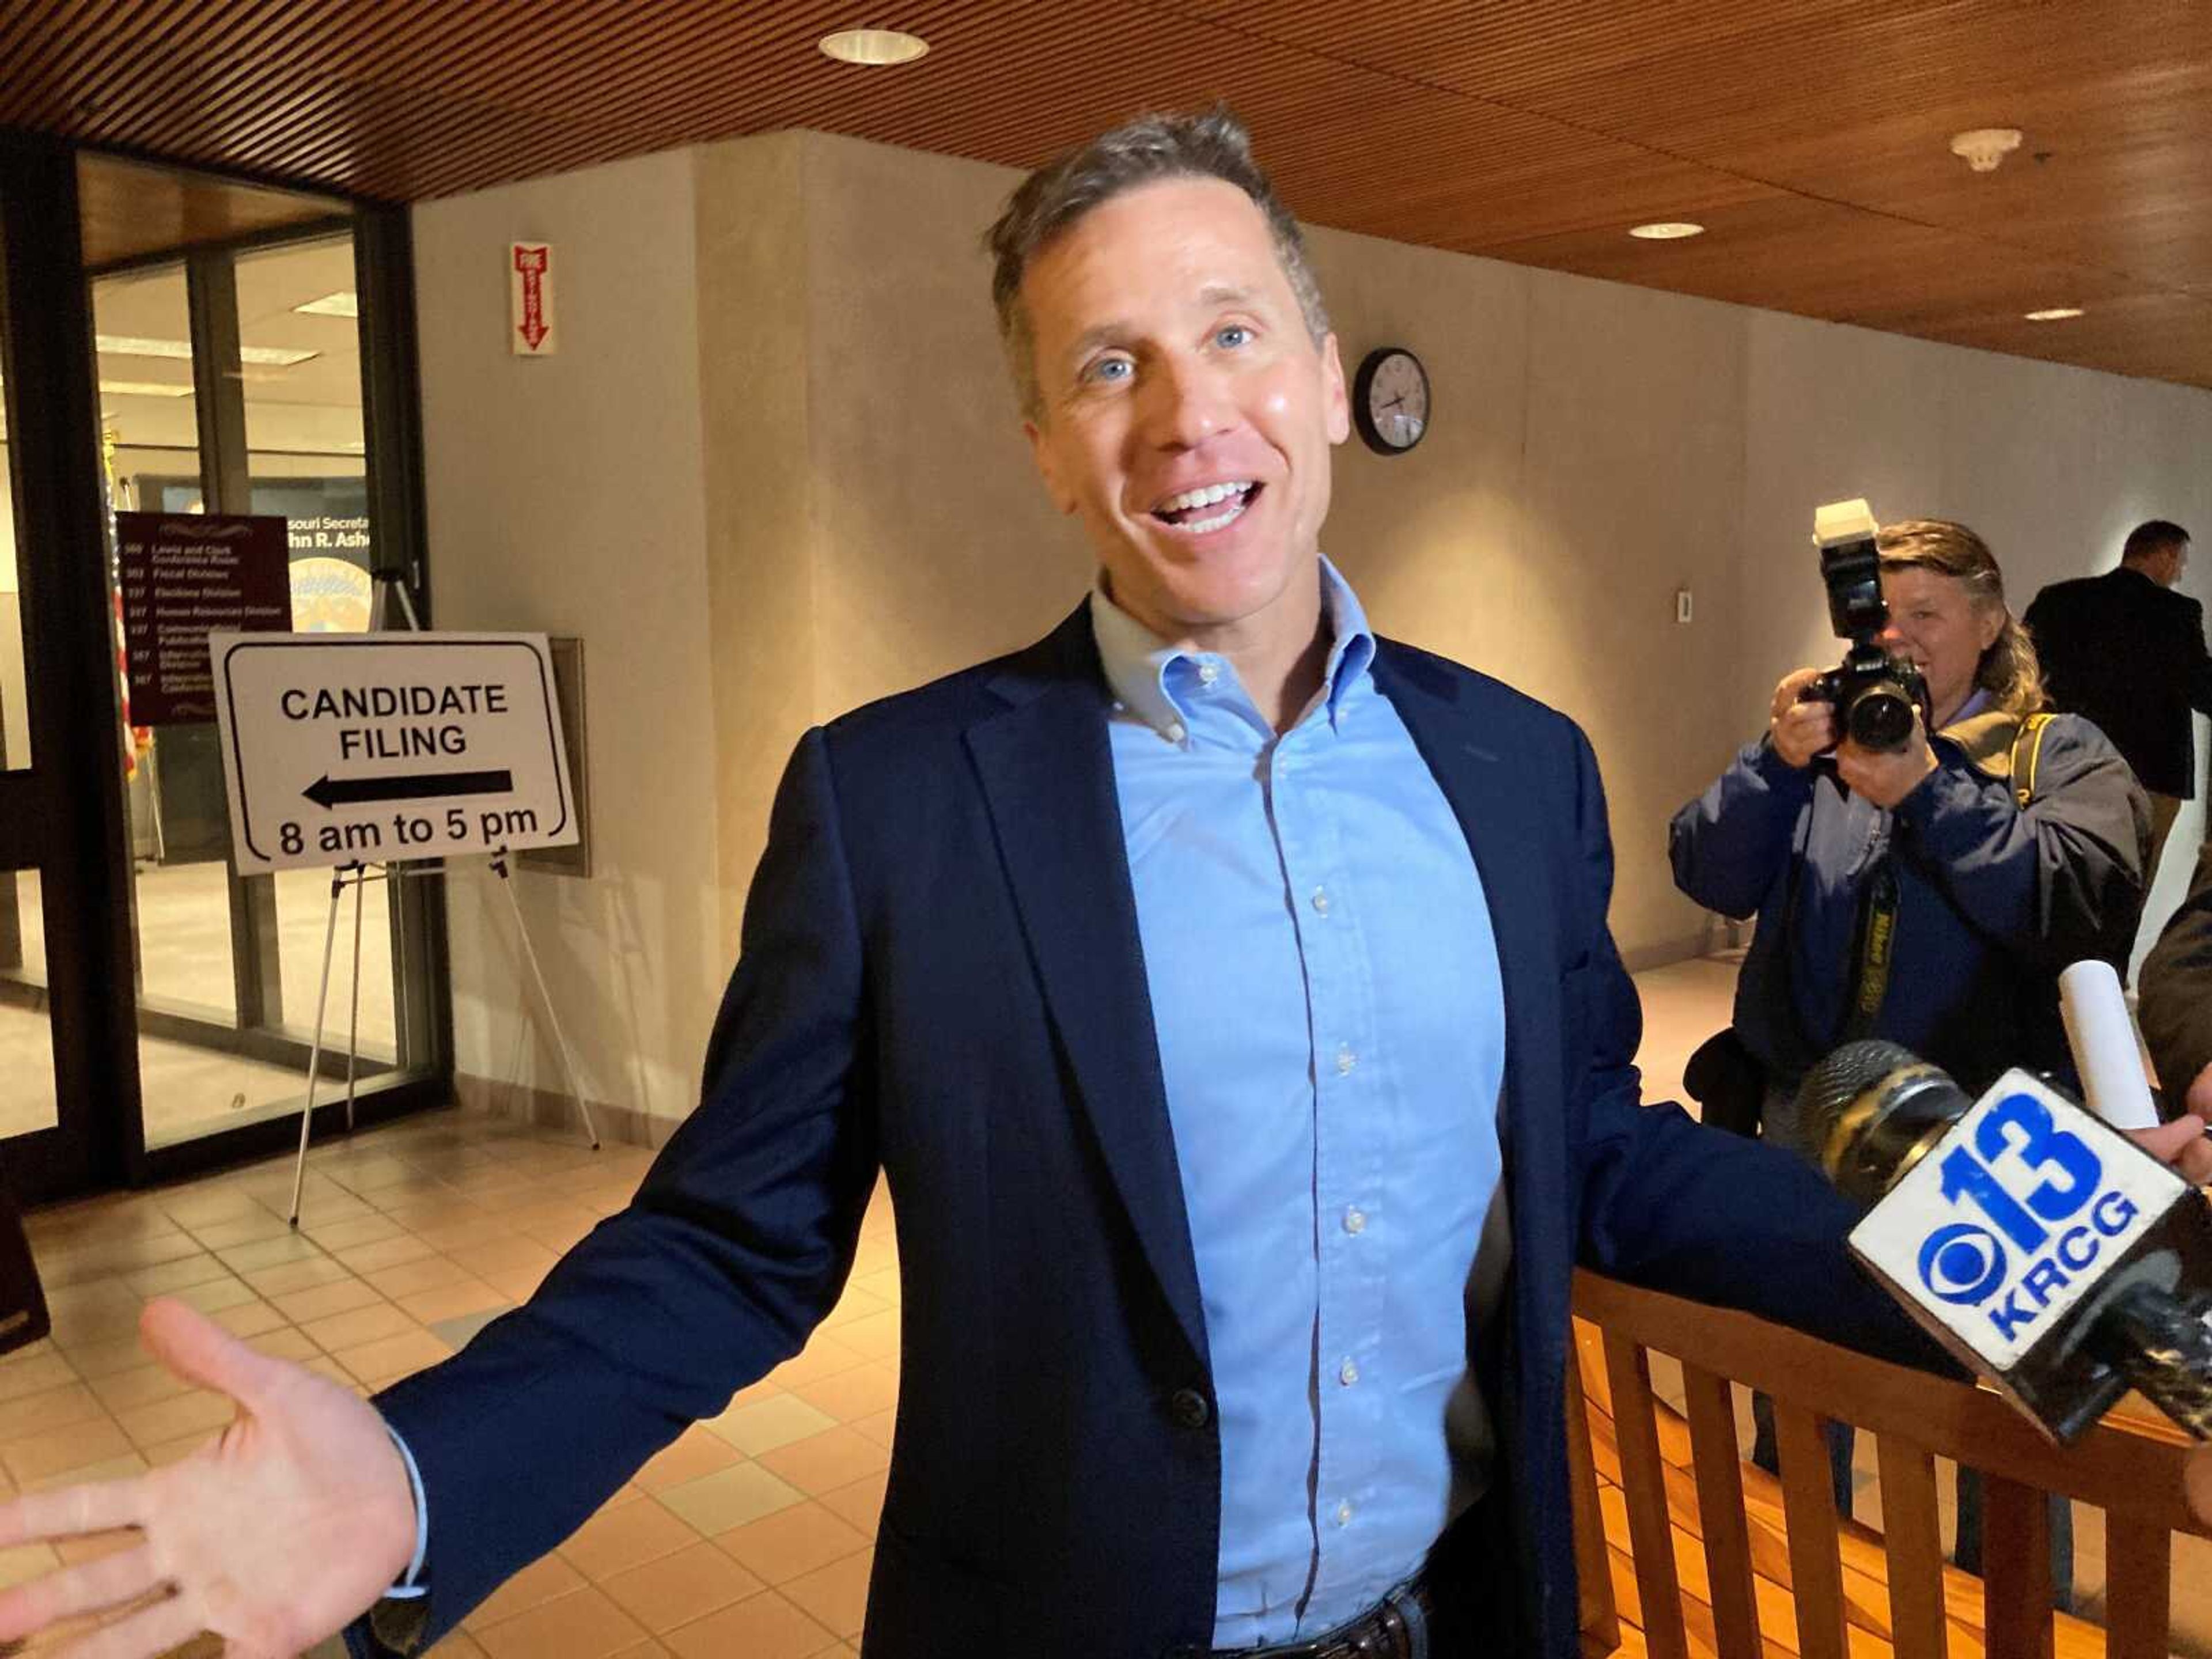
(182, 345)
(231, 382)
(68, 1090)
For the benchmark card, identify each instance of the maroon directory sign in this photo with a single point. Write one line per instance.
(183, 574)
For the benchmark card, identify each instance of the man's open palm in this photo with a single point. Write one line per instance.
(274, 1535)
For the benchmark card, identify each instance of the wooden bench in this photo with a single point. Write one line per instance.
(1684, 1550)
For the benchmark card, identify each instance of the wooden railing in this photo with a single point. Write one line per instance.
(1718, 1559)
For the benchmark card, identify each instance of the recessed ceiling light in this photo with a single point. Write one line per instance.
(1667, 230)
(144, 389)
(132, 345)
(1983, 148)
(2055, 314)
(332, 304)
(874, 46)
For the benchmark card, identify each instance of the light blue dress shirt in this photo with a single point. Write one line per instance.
(1325, 986)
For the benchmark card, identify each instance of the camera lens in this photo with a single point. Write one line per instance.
(1880, 718)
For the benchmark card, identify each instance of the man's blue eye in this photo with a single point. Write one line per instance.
(1234, 334)
(1110, 368)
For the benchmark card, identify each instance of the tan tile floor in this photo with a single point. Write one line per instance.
(749, 1538)
(750, 1535)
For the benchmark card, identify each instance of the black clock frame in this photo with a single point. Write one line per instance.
(1364, 382)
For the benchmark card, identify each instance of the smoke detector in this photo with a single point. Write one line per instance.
(1984, 147)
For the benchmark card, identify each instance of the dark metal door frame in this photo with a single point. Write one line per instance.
(64, 816)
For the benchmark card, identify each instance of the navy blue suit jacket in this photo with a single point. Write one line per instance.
(940, 977)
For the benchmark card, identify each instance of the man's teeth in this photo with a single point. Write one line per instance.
(1202, 525)
(1203, 497)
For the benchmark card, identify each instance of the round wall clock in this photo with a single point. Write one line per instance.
(1391, 400)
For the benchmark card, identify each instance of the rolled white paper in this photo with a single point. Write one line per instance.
(2102, 1038)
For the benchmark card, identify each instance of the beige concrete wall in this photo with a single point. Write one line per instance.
(938, 546)
(568, 495)
(764, 543)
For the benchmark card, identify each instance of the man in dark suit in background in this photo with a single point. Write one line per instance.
(2128, 652)
(1227, 995)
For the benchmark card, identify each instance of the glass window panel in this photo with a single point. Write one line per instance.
(29, 1101)
(180, 836)
(15, 722)
(14, 704)
(190, 1090)
(305, 456)
(303, 915)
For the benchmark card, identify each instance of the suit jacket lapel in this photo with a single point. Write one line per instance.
(1047, 775)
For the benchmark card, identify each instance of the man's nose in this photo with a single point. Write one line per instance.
(1187, 402)
(1892, 636)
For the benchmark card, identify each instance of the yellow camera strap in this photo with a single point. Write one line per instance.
(2026, 749)
(1877, 947)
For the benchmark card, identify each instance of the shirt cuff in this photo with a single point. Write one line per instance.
(407, 1587)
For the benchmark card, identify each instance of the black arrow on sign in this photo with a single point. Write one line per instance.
(326, 791)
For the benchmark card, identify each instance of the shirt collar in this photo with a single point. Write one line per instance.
(1136, 660)
(1973, 705)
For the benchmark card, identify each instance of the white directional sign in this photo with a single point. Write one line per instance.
(373, 747)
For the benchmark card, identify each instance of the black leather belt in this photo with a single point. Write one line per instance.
(1385, 1631)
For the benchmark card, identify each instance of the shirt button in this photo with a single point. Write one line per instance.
(1355, 1220)
(1348, 1373)
(1208, 672)
(1175, 733)
(1320, 900)
(1344, 1515)
(1345, 1059)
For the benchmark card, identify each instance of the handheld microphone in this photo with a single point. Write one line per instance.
(2040, 1245)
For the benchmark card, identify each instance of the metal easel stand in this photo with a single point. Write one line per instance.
(499, 864)
(389, 587)
(361, 875)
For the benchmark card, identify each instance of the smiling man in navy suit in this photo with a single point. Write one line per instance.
(1227, 994)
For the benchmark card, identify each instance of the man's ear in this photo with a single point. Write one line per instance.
(1047, 468)
(1336, 402)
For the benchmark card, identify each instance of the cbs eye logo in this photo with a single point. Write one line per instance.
(1962, 1262)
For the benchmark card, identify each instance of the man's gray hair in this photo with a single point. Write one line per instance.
(1151, 148)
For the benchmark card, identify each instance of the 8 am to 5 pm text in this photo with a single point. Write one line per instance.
(495, 826)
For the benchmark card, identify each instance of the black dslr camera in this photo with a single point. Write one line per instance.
(1873, 692)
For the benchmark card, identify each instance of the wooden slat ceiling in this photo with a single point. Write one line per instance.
(1810, 136)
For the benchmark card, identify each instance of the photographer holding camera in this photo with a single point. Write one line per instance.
(1922, 860)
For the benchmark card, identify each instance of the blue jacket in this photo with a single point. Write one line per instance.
(940, 977)
(1993, 898)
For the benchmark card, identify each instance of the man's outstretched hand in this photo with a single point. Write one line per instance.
(273, 1536)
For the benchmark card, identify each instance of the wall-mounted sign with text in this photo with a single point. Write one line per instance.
(372, 749)
(183, 576)
(530, 299)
